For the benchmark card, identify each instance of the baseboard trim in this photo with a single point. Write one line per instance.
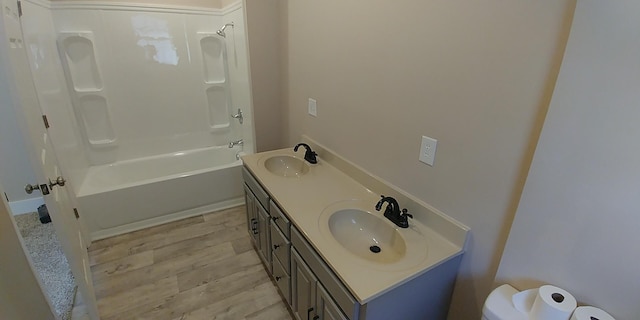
(106, 233)
(25, 206)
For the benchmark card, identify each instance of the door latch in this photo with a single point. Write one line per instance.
(43, 188)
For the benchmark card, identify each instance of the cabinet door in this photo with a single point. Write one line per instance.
(252, 219)
(327, 309)
(303, 288)
(264, 235)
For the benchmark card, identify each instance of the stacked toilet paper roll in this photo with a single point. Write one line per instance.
(545, 303)
(590, 313)
(552, 303)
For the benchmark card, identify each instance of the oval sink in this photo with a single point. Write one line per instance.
(286, 166)
(367, 236)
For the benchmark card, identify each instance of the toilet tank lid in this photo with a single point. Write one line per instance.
(499, 306)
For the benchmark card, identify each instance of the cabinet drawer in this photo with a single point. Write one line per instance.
(261, 195)
(280, 219)
(281, 248)
(282, 280)
(330, 282)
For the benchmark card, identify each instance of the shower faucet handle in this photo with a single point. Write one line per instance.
(238, 116)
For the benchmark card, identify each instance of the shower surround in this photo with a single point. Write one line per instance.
(146, 96)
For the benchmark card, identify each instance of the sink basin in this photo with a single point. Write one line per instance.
(367, 236)
(286, 166)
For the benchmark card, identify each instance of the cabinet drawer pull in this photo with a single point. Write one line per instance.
(275, 219)
(309, 312)
(316, 317)
(276, 246)
(278, 278)
(254, 226)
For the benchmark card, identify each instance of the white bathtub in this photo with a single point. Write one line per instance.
(139, 193)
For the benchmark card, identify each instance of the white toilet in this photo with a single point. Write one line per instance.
(499, 306)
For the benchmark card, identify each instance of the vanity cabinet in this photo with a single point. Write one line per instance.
(258, 218)
(329, 299)
(307, 282)
(271, 233)
(303, 285)
(326, 308)
(264, 235)
(252, 218)
(281, 250)
(310, 299)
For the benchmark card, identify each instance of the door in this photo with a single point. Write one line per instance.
(263, 233)
(42, 155)
(21, 296)
(303, 288)
(327, 309)
(252, 219)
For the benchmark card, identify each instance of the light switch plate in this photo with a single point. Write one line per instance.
(313, 110)
(428, 150)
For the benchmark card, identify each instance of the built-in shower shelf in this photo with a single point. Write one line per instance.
(88, 90)
(219, 102)
(102, 143)
(214, 57)
(79, 56)
(96, 120)
(216, 83)
(80, 63)
(220, 127)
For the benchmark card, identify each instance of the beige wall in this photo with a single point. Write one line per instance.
(577, 223)
(225, 3)
(265, 53)
(477, 76)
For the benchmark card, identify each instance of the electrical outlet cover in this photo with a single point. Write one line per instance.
(313, 107)
(428, 150)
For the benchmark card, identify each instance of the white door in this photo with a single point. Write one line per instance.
(43, 157)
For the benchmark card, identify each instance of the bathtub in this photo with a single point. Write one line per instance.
(139, 193)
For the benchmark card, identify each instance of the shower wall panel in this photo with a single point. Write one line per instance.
(238, 84)
(151, 68)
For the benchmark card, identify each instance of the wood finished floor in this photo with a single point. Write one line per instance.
(202, 267)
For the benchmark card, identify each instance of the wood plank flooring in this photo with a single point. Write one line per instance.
(202, 267)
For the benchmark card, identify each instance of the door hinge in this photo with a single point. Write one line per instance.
(46, 121)
(6, 196)
(19, 8)
(75, 212)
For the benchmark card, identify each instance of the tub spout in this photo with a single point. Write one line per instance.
(236, 143)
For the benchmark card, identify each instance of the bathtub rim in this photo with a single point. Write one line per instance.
(84, 191)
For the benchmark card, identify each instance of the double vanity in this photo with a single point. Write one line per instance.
(338, 249)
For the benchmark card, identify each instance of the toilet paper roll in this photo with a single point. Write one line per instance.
(552, 303)
(590, 313)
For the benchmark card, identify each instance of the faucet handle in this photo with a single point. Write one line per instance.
(309, 155)
(406, 214)
(379, 204)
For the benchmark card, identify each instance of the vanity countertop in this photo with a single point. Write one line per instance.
(310, 198)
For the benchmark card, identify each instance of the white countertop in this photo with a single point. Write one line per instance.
(305, 198)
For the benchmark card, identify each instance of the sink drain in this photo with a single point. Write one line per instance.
(375, 249)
